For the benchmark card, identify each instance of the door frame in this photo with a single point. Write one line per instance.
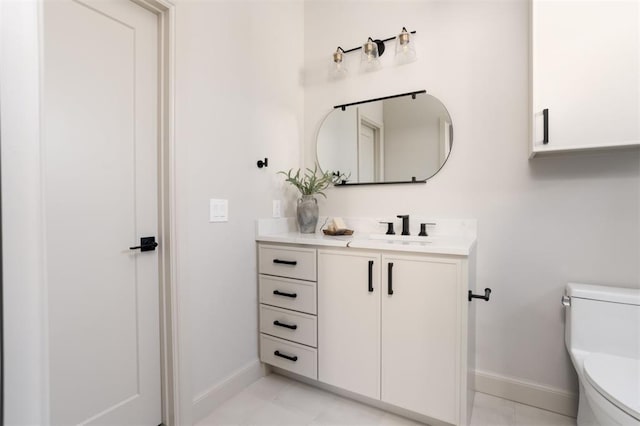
(176, 399)
(378, 144)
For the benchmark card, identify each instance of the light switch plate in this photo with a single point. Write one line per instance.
(218, 210)
(277, 211)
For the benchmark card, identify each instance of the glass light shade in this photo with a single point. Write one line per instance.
(369, 60)
(405, 47)
(338, 69)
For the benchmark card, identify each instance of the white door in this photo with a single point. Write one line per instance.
(349, 321)
(100, 120)
(420, 337)
(366, 154)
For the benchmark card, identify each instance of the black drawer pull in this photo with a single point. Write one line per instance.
(285, 262)
(281, 324)
(390, 279)
(279, 293)
(290, 358)
(545, 123)
(370, 276)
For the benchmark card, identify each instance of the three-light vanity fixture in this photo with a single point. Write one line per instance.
(371, 52)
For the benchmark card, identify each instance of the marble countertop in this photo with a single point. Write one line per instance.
(459, 238)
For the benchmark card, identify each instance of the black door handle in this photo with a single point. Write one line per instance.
(146, 244)
(545, 122)
(279, 293)
(289, 326)
(285, 262)
(370, 276)
(390, 279)
(290, 358)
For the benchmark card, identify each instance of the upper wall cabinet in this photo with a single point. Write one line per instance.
(585, 75)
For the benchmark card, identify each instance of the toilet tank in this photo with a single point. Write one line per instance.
(603, 319)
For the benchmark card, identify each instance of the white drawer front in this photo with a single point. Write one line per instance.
(290, 262)
(304, 360)
(288, 294)
(300, 328)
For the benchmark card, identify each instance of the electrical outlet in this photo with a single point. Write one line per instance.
(277, 211)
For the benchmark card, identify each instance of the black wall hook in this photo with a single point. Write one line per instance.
(487, 293)
(262, 164)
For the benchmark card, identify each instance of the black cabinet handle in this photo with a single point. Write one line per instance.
(545, 122)
(290, 358)
(286, 262)
(279, 293)
(390, 279)
(370, 276)
(280, 324)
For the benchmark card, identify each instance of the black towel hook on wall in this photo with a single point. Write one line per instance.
(487, 293)
(263, 163)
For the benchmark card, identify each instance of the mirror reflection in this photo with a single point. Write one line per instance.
(396, 139)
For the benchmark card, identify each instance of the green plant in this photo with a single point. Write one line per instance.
(312, 181)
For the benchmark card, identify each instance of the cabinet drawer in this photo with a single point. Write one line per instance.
(299, 359)
(300, 328)
(288, 294)
(290, 262)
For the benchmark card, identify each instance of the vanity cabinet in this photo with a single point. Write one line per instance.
(422, 330)
(585, 89)
(349, 320)
(287, 291)
(393, 327)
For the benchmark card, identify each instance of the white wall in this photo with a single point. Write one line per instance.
(542, 223)
(238, 100)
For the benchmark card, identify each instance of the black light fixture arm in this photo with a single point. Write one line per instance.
(383, 41)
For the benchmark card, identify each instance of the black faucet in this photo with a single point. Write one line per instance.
(390, 230)
(405, 223)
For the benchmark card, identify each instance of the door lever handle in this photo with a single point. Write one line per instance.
(146, 244)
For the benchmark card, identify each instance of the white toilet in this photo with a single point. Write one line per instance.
(602, 334)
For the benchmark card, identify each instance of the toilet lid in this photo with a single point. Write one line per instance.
(617, 379)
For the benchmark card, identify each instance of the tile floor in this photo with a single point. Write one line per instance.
(276, 400)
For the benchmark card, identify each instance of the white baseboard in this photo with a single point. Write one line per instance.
(547, 398)
(209, 400)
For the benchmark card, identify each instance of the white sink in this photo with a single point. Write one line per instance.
(404, 238)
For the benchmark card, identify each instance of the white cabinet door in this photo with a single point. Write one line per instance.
(349, 320)
(585, 57)
(421, 337)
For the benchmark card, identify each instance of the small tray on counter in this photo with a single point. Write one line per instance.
(338, 232)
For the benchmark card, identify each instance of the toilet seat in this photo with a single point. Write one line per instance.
(617, 379)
